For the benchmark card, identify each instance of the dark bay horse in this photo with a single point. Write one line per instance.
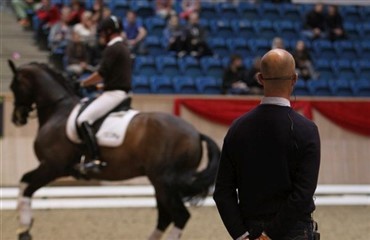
(160, 146)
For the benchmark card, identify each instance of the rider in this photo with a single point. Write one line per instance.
(115, 71)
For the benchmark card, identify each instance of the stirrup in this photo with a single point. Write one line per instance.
(94, 166)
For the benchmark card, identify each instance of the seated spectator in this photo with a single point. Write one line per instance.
(135, 33)
(100, 11)
(303, 62)
(277, 42)
(60, 32)
(189, 7)
(21, 7)
(48, 15)
(164, 8)
(86, 29)
(174, 35)
(77, 56)
(196, 37)
(77, 10)
(234, 80)
(254, 86)
(334, 23)
(315, 22)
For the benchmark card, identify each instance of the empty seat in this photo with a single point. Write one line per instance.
(244, 28)
(260, 46)
(345, 49)
(119, 8)
(185, 85)
(249, 11)
(364, 49)
(265, 29)
(286, 29)
(208, 85)
(344, 69)
(324, 68)
(319, 88)
(324, 48)
(239, 46)
(366, 30)
(361, 88)
(142, 8)
(161, 84)
(300, 88)
(351, 13)
(209, 10)
(140, 84)
(227, 10)
(190, 67)
(341, 87)
(155, 25)
(270, 11)
(354, 31)
(167, 66)
(212, 66)
(221, 28)
(145, 65)
(363, 67)
(218, 45)
(154, 45)
(291, 12)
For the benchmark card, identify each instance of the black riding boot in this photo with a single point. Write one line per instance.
(88, 137)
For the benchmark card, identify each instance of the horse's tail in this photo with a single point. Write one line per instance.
(199, 184)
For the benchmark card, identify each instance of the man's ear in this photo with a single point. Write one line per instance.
(295, 79)
(260, 79)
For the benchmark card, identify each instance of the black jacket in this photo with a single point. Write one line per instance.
(269, 167)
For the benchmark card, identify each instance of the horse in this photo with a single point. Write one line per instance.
(163, 147)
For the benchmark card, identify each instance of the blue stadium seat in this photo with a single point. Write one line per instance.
(363, 67)
(208, 85)
(248, 62)
(244, 28)
(145, 65)
(351, 13)
(270, 11)
(155, 25)
(167, 66)
(344, 69)
(212, 66)
(286, 29)
(324, 67)
(291, 12)
(209, 10)
(324, 48)
(119, 8)
(221, 28)
(190, 67)
(364, 49)
(218, 45)
(361, 88)
(354, 31)
(227, 10)
(260, 46)
(346, 49)
(365, 12)
(161, 84)
(154, 45)
(239, 46)
(249, 11)
(341, 87)
(185, 85)
(205, 23)
(366, 30)
(143, 8)
(319, 87)
(140, 84)
(265, 29)
(300, 88)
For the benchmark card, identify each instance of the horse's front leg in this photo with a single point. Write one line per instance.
(29, 184)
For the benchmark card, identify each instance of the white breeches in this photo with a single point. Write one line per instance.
(101, 106)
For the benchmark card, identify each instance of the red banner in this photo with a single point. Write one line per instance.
(353, 116)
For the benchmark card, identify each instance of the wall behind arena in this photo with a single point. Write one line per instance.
(345, 155)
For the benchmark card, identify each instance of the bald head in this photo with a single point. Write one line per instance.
(277, 73)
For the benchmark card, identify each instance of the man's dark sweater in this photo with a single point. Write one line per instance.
(268, 170)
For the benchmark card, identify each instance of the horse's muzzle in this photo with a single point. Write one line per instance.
(20, 116)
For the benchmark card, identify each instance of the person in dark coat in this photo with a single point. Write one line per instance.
(315, 23)
(270, 162)
(334, 23)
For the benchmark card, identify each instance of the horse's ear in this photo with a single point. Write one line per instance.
(12, 66)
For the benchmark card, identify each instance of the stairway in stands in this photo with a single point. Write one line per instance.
(16, 44)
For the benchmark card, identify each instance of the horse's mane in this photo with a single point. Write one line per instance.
(58, 76)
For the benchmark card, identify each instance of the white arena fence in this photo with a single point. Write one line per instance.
(143, 196)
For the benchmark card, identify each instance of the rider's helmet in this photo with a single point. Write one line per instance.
(109, 26)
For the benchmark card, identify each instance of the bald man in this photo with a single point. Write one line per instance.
(270, 163)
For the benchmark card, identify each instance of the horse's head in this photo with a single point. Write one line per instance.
(23, 93)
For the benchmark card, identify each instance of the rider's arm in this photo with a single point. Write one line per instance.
(92, 79)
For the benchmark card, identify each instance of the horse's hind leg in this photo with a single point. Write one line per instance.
(180, 215)
(31, 182)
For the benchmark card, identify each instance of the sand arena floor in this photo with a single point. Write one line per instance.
(336, 223)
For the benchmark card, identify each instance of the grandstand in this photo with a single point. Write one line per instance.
(247, 29)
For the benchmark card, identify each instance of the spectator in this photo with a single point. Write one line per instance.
(315, 22)
(277, 42)
(100, 11)
(164, 8)
(254, 86)
(86, 29)
(20, 8)
(234, 80)
(135, 33)
(189, 7)
(48, 15)
(77, 56)
(303, 62)
(334, 23)
(60, 32)
(175, 36)
(196, 37)
(77, 10)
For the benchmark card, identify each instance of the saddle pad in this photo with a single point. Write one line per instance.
(112, 131)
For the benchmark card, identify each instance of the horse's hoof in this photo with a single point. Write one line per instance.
(25, 236)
